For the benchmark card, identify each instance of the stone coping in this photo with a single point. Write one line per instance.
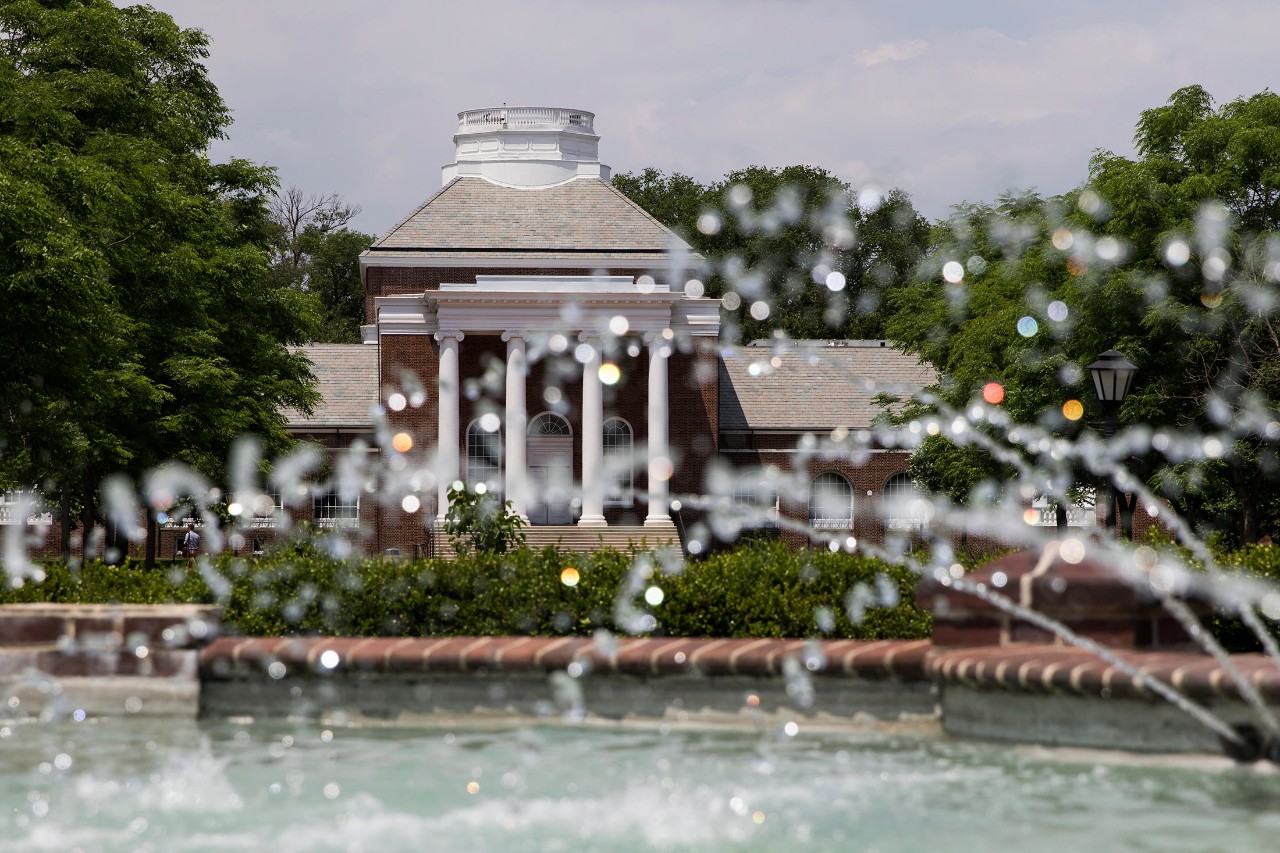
(1059, 669)
(108, 625)
(1025, 669)
(230, 657)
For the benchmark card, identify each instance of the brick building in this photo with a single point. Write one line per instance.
(533, 329)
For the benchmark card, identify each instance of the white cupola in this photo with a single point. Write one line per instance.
(526, 146)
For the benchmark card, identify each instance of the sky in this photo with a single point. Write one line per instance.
(951, 101)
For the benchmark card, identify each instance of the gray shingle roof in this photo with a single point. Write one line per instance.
(812, 386)
(584, 217)
(347, 379)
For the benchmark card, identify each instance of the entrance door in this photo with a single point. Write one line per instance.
(550, 461)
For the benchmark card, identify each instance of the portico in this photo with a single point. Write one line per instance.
(589, 321)
(546, 307)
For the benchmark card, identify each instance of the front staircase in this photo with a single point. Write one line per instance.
(570, 537)
(623, 537)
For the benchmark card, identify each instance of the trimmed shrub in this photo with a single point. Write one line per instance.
(763, 590)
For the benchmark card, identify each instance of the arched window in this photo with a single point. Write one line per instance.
(830, 502)
(617, 462)
(484, 456)
(904, 505)
(550, 425)
(755, 500)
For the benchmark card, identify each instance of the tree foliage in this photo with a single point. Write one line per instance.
(480, 521)
(790, 250)
(1171, 257)
(136, 320)
(316, 254)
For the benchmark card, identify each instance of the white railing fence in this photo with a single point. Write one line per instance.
(526, 117)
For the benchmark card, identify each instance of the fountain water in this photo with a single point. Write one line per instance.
(788, 777)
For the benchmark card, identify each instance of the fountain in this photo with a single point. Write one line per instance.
(1079, 639)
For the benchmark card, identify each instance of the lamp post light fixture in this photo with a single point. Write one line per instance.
(1112, 375)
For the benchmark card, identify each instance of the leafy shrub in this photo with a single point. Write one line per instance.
(764, 590)
(478, 520)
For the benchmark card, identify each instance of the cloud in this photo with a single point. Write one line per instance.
(948, 102)
(284, 139)
(894, 51)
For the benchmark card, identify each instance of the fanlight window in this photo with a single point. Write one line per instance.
(905, 507)
(484, 457)
(830, 502)
(549, 424)
(618, 462)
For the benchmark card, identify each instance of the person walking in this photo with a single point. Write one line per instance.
(190, 542)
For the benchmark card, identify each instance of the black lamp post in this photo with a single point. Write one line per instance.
(1112, 374)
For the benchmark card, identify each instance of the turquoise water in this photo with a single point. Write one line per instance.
(155, 785)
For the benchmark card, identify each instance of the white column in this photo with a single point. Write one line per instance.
(659, 446)
(592, 439)
(447, 469)
(516, 424)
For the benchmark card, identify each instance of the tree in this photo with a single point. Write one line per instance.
(314, 252)
(480, 521)
(675, 200)
(793, 241)
(136, 319)
(979, 313)
(1206, 183)
(1171, 257)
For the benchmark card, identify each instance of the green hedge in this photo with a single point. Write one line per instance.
(763, 590)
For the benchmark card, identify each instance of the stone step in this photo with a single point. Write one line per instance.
(583, 539)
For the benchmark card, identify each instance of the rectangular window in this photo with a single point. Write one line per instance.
(260, 514)
(330, 509)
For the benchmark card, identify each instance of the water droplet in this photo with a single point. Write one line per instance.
(1108, 249)
(953, 272)
(396, 402)
(1072, 550)
(1089, 202)
(993, 393)
(1177, 253)
(1027, 327)
(1073, 410)
(609, 373)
